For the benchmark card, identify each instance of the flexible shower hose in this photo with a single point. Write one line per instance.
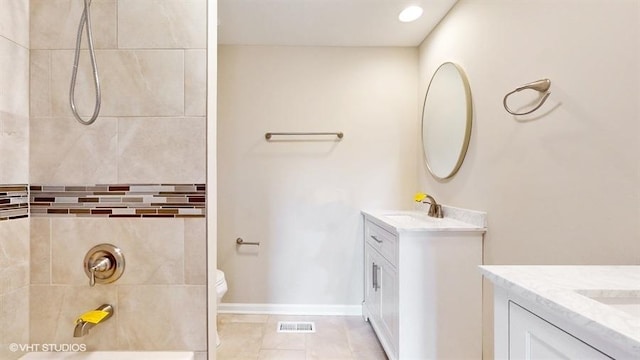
(85, 21)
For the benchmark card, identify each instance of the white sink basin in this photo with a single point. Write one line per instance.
(411, 217)
(400, 217)
(414, 218)
(623, 300)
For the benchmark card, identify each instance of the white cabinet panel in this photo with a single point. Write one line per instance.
(533, 338)
(381, 292)
(371, 296)
(388, 301)
(383, 241)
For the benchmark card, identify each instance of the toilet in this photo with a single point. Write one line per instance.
(221, 289)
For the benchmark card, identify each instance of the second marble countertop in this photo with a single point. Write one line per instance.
(572, 292)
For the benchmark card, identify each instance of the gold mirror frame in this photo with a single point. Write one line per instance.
(467, 128)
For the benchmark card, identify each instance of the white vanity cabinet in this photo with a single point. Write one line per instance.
(422, 290)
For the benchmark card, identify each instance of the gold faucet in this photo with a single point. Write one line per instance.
(435, 209)
(90, 319)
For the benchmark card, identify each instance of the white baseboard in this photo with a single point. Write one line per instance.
(290, 309)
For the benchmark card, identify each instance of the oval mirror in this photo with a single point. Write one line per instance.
(446, 121)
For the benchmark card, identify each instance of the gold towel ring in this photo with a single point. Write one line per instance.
(540, 86)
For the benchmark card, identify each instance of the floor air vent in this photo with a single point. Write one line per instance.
(296, 327)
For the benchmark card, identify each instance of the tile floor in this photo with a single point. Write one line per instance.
(336, 338)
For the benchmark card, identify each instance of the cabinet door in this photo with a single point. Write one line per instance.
(531, 337)
(371, 296)
(388, 289)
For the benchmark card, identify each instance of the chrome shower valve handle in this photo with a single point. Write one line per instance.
(104, 264)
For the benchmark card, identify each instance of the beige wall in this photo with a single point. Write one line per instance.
(560, 186)
(301, 199)
(152, 62)
(14, 169)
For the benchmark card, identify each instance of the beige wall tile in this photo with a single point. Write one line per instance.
(84, 92)
(40, 265)
(170, 149)
(54, 309)
(162, 317)
(14, 21)
(14, 93)
(40, 74)
(14, 147)
(14, 79)
(195, 82)
(14, 255)
(54, 23)
(14, 317)
(167, 24)
(66, 152)
(70, 242)
(133, 83)
(195, 251)
(153, 248)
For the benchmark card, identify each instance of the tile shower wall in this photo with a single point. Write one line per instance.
(151, 58)
(160, 300)
(14, 174)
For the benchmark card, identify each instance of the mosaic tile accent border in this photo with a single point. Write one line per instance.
(121, 200)
(14, 201)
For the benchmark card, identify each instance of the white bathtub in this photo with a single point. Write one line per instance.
(111, 355)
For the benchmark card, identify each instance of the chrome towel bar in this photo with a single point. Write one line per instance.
(268, 135)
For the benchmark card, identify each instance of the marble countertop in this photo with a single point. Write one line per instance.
(455, 219)
(568, 291)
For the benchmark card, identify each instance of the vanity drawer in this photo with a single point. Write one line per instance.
(380, 239)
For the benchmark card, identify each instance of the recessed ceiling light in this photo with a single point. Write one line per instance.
(410, 13)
